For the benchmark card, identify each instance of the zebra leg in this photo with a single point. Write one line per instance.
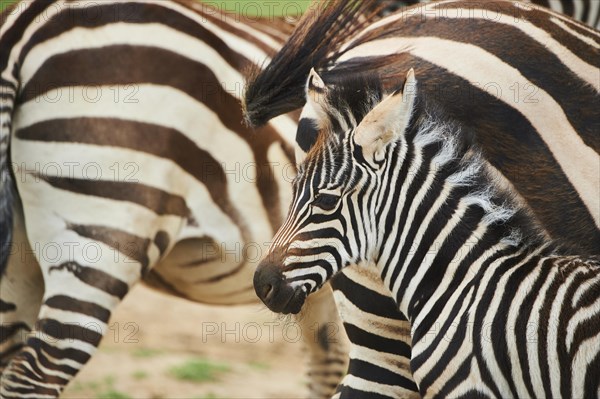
(80, 293)
(87, 266)
(21, 290)
(327, 343)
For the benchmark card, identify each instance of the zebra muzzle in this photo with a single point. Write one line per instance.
(274, 291)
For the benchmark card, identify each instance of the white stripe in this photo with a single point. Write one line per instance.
(247, 49)
(533, 355)
(513, 331)
(11, 17)
(587, 351)
(258, 35)
(157, 35)
(574, 33)
(29, 31)
(585, 71)
(578, 9)
(286, 126)
(552, 338)
(578, 161)
(556, 5)
(593, 13)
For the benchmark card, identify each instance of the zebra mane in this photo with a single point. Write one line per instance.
(316, 42)
(350, 99)
(463, 164)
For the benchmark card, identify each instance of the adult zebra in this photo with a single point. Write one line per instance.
(497, 308)
(127, 146)
(515, 143)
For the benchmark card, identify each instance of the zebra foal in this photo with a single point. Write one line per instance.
(138, 99)
(497, 308)
(436, 40)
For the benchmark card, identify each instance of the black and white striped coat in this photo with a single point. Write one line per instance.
(131, 164)
(497, 309)
(515, 146)
(586, 11)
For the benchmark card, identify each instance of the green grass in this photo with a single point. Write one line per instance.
(259, 365)
(112, 394)
(199, 370)
(146, 353)
(139, 375)
(5, 3)
(102, 389)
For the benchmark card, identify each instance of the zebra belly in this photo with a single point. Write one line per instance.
(203, 270)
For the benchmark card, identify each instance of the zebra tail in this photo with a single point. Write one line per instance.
(6, 186)
(315, 41)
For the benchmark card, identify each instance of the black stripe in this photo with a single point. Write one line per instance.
(219, 21)
(368, 301)
(8, 330)
(97, 15)
(8, 353)
(352, 393)
(12, 36)
(6, 307)
(162, 240)
(130, 245)
(363, 338)
(525, 339)
(460, 376)
(47, 363)
(94, 277)
(539, 18)
(154, 199)
(56, 329)
(531, 58)
(378, 374)
(70, 304)
(592, 377)
(545, 329)
(498, 330)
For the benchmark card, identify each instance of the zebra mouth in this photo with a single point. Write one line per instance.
(275, 292)
(295, 303)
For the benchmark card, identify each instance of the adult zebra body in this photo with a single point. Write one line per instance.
(534, 56)
(497, 308)
(586, 11)
(131, 164)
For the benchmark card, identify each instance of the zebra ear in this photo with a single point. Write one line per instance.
(388, 120)
(316, 96)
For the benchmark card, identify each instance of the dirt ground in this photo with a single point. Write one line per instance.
(164, 347)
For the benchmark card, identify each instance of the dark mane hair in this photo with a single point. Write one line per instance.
(315, 42)
(357, 94)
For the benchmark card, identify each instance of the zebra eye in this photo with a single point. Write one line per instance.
(327, 202)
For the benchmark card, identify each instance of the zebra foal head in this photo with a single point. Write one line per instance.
(333, 217)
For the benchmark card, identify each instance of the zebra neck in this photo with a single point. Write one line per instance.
(448, 217)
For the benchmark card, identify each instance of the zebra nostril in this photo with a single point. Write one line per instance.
(267, 292)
